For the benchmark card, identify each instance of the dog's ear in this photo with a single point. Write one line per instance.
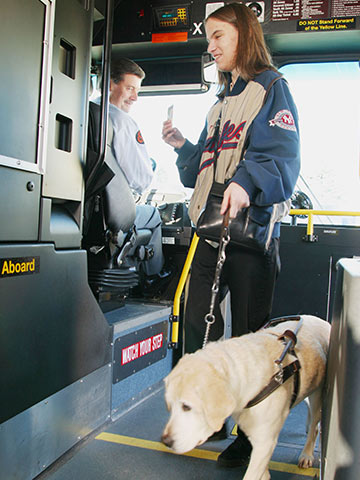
(218, 404)
(175, 372)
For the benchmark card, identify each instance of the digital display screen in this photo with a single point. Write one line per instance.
(172, 17)
(169, 14)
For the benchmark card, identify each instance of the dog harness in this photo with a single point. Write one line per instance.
(289, 338)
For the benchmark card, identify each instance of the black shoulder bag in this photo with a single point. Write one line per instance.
(250, 229)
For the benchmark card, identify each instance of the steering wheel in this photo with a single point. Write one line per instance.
(299, 200)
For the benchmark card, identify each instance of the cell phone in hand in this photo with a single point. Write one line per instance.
(170, 112)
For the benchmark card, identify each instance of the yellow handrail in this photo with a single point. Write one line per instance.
(174, 317)
(311, 213)
(176, 306)
(339, 213)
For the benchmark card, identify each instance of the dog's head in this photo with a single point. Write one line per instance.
(199, 401)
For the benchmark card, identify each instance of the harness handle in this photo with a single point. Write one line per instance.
(290, 344)
(284, 373)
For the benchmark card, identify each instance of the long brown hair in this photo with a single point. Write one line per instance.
(253, 56)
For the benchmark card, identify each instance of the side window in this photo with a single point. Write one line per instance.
(327, 96)
(189, 115)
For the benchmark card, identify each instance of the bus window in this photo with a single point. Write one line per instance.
(189, 115)
(327, 96)
(328, 101)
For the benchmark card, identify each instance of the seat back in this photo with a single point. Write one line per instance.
(115, 249)
(119, 203)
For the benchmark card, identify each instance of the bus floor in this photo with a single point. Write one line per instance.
(130, 448)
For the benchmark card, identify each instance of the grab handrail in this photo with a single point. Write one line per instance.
(310, 214)
(174, 317)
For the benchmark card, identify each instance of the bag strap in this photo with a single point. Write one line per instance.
(269, 88)
(216, 137)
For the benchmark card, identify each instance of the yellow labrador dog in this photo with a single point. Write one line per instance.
(220, 380)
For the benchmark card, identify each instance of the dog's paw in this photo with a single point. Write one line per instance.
(305, 461)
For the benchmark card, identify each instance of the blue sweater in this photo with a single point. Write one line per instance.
(271, 164)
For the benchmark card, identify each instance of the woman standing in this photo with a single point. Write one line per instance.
(265, 176)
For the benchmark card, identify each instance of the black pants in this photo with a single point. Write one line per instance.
(250, 277)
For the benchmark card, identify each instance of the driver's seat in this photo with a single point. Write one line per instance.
(115, 248)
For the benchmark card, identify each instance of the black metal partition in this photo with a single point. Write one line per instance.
(308, 269)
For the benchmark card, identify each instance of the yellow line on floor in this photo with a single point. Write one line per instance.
(150, 445)
(197, 453)
(291, 468)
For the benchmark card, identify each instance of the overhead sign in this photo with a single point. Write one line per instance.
(211, 7)
(284, 10)
(326, 24)
(169, 37)
(258, 8)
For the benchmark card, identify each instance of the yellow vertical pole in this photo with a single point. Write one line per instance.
(174, 317)
(310, 225)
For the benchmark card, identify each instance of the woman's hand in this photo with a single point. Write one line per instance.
(235, 198)
(172, 135)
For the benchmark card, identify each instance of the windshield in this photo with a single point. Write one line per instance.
(328, 99)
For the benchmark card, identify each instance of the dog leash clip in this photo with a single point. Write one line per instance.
(210, 318)
(224, 240)
(279, 377)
